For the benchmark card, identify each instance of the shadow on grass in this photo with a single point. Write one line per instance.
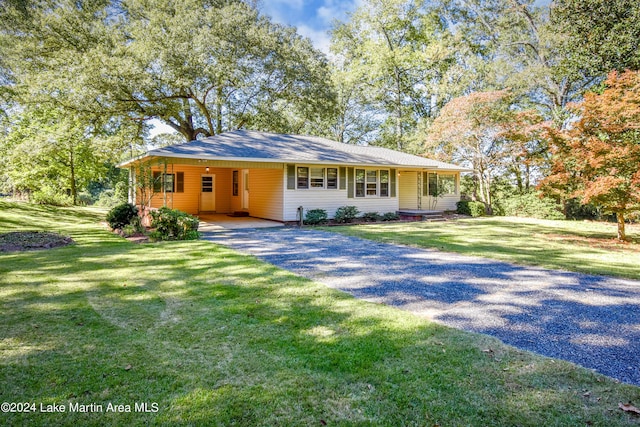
(517, 242)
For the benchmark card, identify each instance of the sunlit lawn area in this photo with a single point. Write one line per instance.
(583, 246)
(218, 338)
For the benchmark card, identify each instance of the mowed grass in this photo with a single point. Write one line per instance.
(583, 246)
(218, 338)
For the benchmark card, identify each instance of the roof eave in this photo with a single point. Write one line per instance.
(156, 154)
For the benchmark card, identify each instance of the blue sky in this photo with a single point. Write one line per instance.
(313, 18)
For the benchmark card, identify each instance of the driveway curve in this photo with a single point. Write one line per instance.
(593, 321)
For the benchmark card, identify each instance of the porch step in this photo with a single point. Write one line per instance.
(433, 217)
(421, 215)
(239, 214)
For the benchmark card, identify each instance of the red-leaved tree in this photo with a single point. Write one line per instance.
(598, 158)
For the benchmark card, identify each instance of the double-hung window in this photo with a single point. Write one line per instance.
(235, 183)
(303, 177)
(332, 178)
(360, 183)
(318, 178)
(372, 183)
(168, 182)
(384, 183)
(441, 184)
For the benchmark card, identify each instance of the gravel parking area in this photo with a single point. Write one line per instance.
(593, 321)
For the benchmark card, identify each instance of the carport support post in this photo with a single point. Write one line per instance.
(164, 185)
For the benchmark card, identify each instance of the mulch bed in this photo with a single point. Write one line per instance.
(17, 241)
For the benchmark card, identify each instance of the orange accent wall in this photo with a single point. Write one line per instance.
(189, 200)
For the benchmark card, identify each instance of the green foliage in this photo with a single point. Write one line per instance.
(84, 198)
(595, 43)
(48, 195)
(121, 215)
(393, 57)
(468, 207)
(371, 216)
(390, 216)
(173, 224)
(315, 217)
(53, 147)
(202, 66)
(576, 210)
(532, 205)
(112, 197)
(345, 214)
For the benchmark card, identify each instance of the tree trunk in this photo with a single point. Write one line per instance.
(72, 168)
(398, 111)
(622, 236)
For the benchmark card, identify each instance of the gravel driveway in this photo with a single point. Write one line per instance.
(590, 320)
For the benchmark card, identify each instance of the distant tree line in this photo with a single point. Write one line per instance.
(501, 86)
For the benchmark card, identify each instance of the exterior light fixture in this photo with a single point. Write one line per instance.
(206, 169)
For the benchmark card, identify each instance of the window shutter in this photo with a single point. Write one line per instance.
(392, 183)
(291, 177)
(157, 182)
(425, 184)
(350, 182)
(343, 178)
(179, 182)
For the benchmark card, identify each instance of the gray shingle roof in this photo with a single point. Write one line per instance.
(270, 147)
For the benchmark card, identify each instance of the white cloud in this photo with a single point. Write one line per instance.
(319, 38)
(333, 9)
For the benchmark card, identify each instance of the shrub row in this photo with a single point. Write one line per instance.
(532, 205)
(346, 214)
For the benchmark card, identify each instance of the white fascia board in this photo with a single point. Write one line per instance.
(294, 161)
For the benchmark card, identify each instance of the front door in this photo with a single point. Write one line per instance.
(208, 193)
(408, 186)
(245, 189)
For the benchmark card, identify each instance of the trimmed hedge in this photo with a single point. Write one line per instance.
(471, 208)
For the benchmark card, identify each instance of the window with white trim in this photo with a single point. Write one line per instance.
(372, 182)
(316, 178)
(332, 178)
(442, 184)
(303, 177)
(384, 183)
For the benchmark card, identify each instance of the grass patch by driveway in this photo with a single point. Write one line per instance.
(215, 337)
(586, 247)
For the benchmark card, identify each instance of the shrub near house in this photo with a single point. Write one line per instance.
(172, 224)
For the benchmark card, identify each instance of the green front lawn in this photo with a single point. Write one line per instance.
(214, 337)
(587, 247)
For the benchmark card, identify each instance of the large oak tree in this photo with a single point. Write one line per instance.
(200, 66)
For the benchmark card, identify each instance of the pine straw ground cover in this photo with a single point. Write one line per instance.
(582, 246)
(206, 336)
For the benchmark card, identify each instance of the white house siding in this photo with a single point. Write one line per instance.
(266, 193)
(408, 189)
(445, 203)
(330, 200)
